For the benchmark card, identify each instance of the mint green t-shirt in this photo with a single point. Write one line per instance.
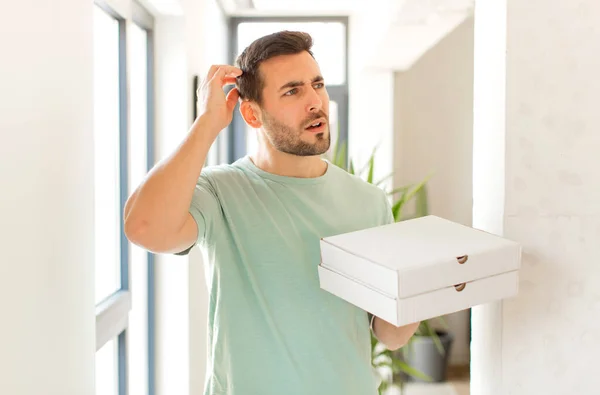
(271, 329)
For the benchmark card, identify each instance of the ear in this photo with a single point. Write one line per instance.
(250, 114)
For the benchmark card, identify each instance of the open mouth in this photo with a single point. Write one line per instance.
(317, 126)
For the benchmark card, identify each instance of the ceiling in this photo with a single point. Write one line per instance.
(404, 30)
(163, 7)
(411, 9)
(299, 6)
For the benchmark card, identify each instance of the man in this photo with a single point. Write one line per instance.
(271, 329)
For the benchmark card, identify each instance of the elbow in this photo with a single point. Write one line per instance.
(145, 235)
(393, 346)
(391, 336)
(395, 340)
(140, 233)
(392, 343)
(135, 230)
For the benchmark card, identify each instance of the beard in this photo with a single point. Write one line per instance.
(289, 140)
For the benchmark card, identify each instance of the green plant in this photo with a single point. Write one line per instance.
(385, 360)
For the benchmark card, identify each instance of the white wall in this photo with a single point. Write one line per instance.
(553, 196)
(433, 134)
(548, 335)
(371, 94)
(433, 124)
(186, 46)
(47, 199)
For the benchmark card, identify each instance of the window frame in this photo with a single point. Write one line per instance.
(338, 93)
(112, 313)
(143, 19)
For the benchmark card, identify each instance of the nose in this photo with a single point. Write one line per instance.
(315, 103)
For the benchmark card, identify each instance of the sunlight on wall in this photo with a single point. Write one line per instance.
(488, 180)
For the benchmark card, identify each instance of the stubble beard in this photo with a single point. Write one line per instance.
(288, 140)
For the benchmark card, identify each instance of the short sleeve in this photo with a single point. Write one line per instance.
(206, 210)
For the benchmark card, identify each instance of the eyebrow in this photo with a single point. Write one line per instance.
(293, 84)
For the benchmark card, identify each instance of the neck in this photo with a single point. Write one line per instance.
(288, 165)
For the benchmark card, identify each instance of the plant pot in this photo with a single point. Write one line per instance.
(423, 355)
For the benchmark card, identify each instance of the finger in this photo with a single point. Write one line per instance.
(211, 72)
(224, 82)
(232, 70)
(229, 70)
(232, 98)
(225, 70)
(218, 78)
(229, 80)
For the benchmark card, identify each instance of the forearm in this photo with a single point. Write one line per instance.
(391, 336)
(163, 199)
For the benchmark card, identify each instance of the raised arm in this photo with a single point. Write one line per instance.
(157, 214)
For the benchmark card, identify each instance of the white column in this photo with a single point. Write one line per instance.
(47, 341)
(488, 180)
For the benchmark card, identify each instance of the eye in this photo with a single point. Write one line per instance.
(291, 92)
(320, 85)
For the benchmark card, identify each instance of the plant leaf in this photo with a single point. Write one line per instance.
(400, 190)
(378, 183)
(397, 208)
(401, 366)
(421, 208)
(339, 155)
(406, 350)
(383, 363)
(430, 332)
(444, 323)
(368, 164)
(371, 169)
(438, 343)
(417, 188)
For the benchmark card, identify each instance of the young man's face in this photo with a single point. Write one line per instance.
(293, 99)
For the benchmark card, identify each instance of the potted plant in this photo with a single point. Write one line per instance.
(415, 361)
(427, 352)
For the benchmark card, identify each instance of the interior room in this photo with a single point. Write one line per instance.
(448, 106)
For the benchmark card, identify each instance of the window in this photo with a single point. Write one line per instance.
(110, 172)
(330, 48)
(107, 380)
(123, 143)
(141, 159)
(107, 154)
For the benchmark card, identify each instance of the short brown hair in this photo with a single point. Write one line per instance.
(250, 84)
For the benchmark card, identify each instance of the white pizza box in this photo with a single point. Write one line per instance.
(419, 269)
